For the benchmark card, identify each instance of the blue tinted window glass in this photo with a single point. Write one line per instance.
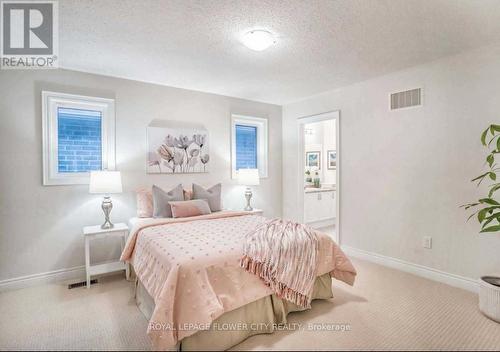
(246, 147)
(79, 140)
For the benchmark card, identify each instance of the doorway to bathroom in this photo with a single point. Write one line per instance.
(319, 172)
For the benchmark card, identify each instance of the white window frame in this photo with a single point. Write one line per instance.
(51, 101)
(262, 142)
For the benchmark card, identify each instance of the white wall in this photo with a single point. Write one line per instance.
(404, 174)
(40, 227)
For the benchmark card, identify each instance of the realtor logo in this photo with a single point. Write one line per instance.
(29, 34)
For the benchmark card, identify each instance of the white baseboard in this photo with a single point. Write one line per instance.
(77, 272)
(416, 269)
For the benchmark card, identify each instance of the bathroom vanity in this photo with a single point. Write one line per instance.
(320, 206)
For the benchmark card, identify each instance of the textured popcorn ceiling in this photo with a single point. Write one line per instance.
(321, 45)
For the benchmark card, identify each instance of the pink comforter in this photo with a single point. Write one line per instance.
(190, 266)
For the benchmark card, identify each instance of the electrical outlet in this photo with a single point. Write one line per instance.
(427, 242)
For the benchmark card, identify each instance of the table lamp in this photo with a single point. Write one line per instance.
(248, 177)
(105, 182)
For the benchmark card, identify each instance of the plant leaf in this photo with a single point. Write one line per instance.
(482, 214)
(492, 139)
(471, 216)
(483, 136)
(495, 228)
(493, 189)
(494, 216)
(488, 220)
(467, 206)
(480, 177)
(490, 159)
(488, 201)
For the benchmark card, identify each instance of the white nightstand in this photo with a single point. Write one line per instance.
(255, 211)
(93, 232)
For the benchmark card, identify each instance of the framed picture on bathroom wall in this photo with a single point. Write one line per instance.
(313, 160)
(331, 159)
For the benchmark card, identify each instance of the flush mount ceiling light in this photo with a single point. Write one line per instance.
(258, 39)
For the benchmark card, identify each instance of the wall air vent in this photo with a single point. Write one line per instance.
(406, 99)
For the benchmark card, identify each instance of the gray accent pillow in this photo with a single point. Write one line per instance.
(212, 195)
(161, 208)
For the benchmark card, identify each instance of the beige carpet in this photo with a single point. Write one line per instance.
(387, 309)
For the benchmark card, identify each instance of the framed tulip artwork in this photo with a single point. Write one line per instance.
(177, 150)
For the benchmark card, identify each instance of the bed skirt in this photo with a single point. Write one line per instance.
(262, 316)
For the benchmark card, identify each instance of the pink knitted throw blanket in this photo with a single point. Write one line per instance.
(284, 254)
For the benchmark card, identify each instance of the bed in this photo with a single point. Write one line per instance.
(192, 289)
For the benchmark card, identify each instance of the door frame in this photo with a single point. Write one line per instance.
(329, 115)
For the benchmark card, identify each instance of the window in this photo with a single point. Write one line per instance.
(78, 137)
(249, 144)
(246, 147)
(80, 140)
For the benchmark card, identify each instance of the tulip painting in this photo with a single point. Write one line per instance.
(177, 151)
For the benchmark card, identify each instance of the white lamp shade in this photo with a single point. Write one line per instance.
(248, 177)
(105, 182)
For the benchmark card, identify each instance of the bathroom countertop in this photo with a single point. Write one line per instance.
(322, 189)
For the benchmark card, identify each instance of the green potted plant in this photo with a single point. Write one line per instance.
(488, 215)
(308, 176)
